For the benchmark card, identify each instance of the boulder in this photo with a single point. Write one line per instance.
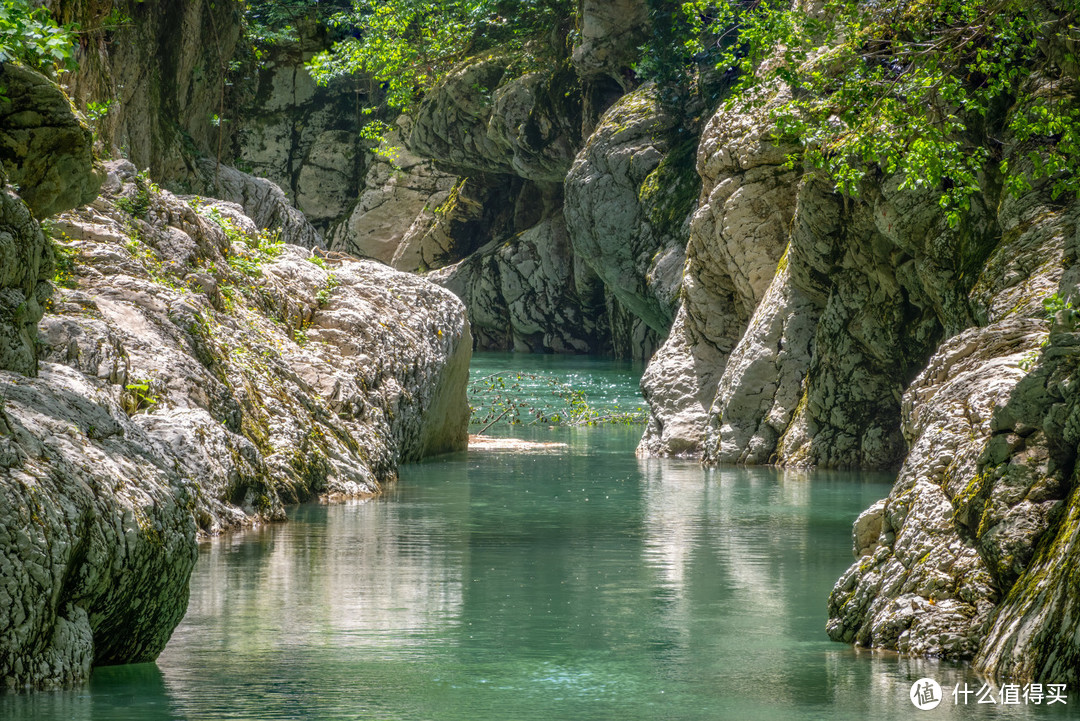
(46, 152)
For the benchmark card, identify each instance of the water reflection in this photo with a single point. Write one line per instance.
(580, 584)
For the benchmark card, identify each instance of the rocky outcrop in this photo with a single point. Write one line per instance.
(26, 265)
(261, 200)
(984, 499)
(162, 76)
(220, 321)
(45, 150)
(628, 195)
(482, 118)
(531, 294)
(611, 33)
(737, 237)
(867, 332)
(392, 219)
(198, 376)
(302, 136)
(45, 154)
(96, 532)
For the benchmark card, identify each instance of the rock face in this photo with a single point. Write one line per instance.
(303, 137)
(479, 118)
(737, 237)
(26, 264)
(628, 195)
(531, 294)
(163, 75)
(396, 210)
(526, 287)
(97, 534)
(261, 200)
(45, 153)
(984, 499)
(611, 32)
(44, 149)
(198, 375)
(866, 332)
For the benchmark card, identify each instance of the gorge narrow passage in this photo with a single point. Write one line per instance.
(577, 582)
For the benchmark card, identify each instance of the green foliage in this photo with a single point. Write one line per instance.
(30, 36)
(139, 395)
(139, 205)
(272, 22)
(502, 397)
(323, 296)
(1054, 304)
(683, 38)
(917, 88)
(64, 266)
(247, 252)
(406, 46)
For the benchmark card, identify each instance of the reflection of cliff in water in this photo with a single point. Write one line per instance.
(583, 583)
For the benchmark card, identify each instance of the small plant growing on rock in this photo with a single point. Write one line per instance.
(138, 396)
(323, 296)
(64, 266)
(1054, 304)
(138, 205)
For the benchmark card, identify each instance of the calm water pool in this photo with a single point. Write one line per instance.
(577, 583)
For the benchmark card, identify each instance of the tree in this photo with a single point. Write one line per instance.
(917, 88)
(407, 46)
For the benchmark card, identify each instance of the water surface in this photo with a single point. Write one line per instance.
(578, 583)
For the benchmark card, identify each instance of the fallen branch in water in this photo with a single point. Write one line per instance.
(497, 418)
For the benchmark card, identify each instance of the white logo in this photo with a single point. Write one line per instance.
(925, 694)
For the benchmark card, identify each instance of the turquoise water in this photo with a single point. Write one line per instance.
(574, 583)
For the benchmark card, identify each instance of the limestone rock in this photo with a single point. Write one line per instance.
(992, 446)
(395, 210)
(162, 75)
(302, 137)
(44, 148)
(926, 589)
(46, 153)
(628, 195)
(97, 536)
(326, 184)
(26, 263)
(262, 200)
(611, 33)
(199, 376)
(478, 118)
(737, 237)
(679, 384)
(529, 293)
(762, 382)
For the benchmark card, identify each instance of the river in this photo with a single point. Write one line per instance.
(576, 582)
